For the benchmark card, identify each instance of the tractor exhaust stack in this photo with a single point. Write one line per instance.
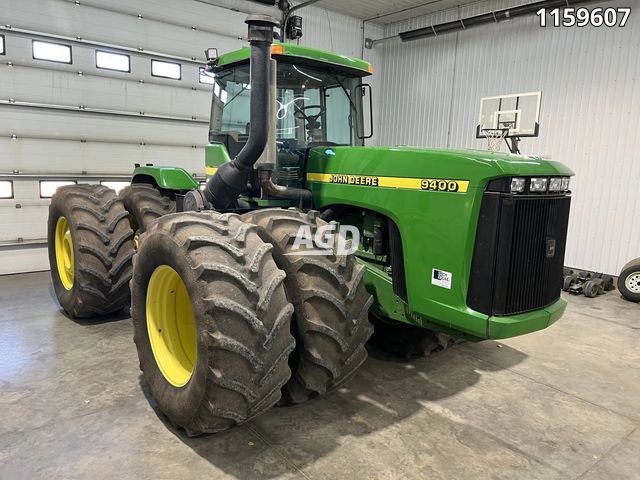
(267, 162)
(230, 180)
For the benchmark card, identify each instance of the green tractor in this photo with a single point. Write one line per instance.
(242, 294)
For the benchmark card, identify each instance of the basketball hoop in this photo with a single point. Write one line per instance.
(517, 112)
(494, 137)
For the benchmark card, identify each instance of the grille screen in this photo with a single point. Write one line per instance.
(519, 253)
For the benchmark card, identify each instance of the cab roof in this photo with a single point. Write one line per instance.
(290, 50)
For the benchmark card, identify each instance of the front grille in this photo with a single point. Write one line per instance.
(519, 253)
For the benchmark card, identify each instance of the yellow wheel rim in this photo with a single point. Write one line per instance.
(171, 325)
(64, 253)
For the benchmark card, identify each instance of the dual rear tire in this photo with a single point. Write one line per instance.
(91, 239)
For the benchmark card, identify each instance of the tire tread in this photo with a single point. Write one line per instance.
(330, 346)
(247, 348)
(146, 204)
(100, 230)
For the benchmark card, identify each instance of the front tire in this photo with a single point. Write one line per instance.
(331, 306)
(90, 250)
(211, 320)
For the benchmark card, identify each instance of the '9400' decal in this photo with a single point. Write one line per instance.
(440, 185)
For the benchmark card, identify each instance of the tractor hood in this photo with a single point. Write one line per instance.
(476, 167)
(434, 197)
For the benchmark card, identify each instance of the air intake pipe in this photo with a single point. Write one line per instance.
(223, 188)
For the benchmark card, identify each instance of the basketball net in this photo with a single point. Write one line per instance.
(494, 137)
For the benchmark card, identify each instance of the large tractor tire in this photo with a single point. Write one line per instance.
(629, 281)
(331, 305)
(211, 320)
(145, 203)
(90, 250)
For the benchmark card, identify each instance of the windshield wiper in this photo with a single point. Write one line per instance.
(346, 92)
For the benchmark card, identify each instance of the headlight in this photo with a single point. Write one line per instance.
(517, 185)
(565, 184)
(538, 185)
(555, 184)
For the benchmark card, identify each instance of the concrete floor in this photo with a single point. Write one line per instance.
(563, 403)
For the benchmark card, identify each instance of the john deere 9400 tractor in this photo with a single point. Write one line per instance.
(231, 315)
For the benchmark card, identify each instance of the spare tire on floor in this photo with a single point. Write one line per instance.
(211, 320)
(331, 305)
(90, 249)
(629, 281)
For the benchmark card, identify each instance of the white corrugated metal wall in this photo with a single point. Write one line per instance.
(72, 141)
(590, 116)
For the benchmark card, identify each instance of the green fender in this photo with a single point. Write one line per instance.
(169, 178)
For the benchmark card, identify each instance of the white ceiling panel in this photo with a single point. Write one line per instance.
(388, 11)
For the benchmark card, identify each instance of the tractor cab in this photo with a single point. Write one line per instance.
(319, 102)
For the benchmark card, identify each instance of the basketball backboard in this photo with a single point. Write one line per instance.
(519, 112)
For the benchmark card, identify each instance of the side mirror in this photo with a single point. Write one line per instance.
(364, 123)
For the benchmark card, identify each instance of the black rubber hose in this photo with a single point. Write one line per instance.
(259, 110)
(303, 196)
(230, 180)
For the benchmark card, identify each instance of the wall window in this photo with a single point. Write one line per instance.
(166, 69)
(2, 49)
(114, 185)
(113, 61)
(52, 52)
(49, 187)
(6, 189)
(204, 78)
